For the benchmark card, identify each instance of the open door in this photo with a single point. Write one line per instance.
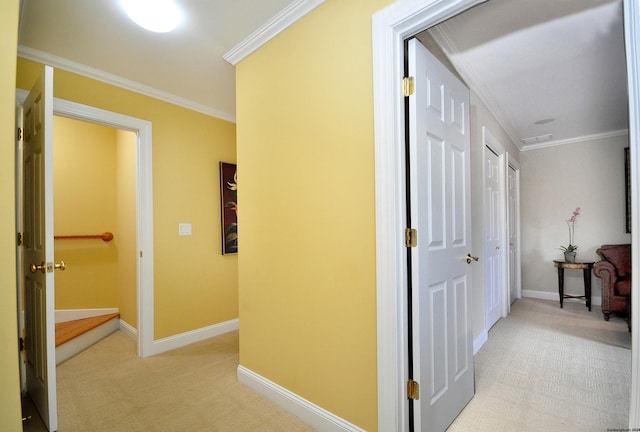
(36, 121)
(441, 349)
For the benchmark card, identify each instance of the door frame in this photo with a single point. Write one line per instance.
(390, 27)
(144, 205)
(513, 164)
(491, 143)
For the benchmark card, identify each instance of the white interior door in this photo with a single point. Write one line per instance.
(439, 183)
(495, 233)
(37, 120)
(513, 186)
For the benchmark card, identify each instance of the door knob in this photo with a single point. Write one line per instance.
(470, 258)
(49, 267)
(35, 267)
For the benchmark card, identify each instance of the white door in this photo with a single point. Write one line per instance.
(440, 211)
(494, 235)
(513, 185)
(37, 120)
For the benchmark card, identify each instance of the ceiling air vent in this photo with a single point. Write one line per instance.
(536, 139)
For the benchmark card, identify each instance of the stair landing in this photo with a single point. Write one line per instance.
(77, 335)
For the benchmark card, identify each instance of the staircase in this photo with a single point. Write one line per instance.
(77, 335)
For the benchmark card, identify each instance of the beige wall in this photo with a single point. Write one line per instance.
(555, 181)
(10, 414)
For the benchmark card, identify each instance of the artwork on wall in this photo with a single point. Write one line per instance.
(229, 196)
(627, 179)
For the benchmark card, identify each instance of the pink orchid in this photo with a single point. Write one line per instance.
(575, 215)
(570, 223)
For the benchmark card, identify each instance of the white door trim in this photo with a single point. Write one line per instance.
(391, 26)
(144, 203)
(513, 164)
(491, 143)
(632, 46)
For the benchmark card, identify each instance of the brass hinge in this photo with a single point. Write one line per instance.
(408, 86)
(19, 240)
(413, 390)
(410, 237)
(20, 134)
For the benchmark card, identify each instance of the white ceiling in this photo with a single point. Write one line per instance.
(533, 60)
(529, 60)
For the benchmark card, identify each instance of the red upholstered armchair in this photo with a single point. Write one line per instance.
(615, 271)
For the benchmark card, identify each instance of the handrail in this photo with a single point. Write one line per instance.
(106, 236)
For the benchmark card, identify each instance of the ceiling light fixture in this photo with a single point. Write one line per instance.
(160, 16)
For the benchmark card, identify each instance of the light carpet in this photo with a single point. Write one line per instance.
(542, 369)
(550, 369)
(107, 388)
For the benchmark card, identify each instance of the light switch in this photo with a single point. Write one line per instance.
(184, 229)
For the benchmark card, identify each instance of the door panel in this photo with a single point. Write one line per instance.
(440, 208)
(37, 113)
(494, 234)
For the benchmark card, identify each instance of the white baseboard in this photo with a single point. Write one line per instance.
(193, 336)
(128, 330)
(308, 412)
(64, 315)
(548, 295)
(480, 341)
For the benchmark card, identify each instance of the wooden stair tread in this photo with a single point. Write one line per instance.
(65, 331)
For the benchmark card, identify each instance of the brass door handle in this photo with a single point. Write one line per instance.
(35, 267)
(470, 258)
(49, 267)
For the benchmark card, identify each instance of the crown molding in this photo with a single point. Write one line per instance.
(99, 75)
(575, 140)
(280, 22)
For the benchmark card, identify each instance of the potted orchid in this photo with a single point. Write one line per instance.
(570, 250)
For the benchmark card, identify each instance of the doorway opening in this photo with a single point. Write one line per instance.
(495, 229)
(143, 203)
(391, 27)
(94, 169)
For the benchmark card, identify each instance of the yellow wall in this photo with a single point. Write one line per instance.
(126, 226)
(195, 286)
(10, 414)
(307, 217)
(85, 202)
(94, 192)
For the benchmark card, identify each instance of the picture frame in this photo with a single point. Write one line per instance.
(229, 207)
(627, 179)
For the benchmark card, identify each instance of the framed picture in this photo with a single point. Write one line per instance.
(627, 179)
(229, 210)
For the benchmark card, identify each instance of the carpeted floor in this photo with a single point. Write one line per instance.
(550, 369)
(107, 388)
(542, 369)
